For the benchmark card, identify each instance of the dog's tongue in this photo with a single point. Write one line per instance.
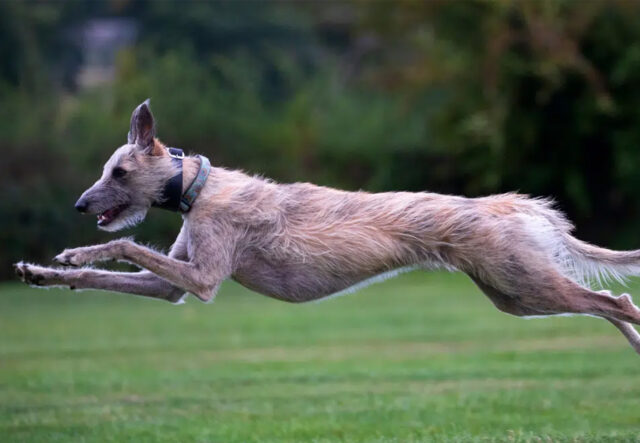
(107, 216)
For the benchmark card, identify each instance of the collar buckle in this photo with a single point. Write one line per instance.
(176, 153)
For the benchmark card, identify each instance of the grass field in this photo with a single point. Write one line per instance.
(424, 357)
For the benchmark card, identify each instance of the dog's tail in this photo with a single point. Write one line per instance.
(589, 263)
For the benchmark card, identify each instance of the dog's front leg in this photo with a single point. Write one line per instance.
(140, 283)
(84, 255)
(196, 277)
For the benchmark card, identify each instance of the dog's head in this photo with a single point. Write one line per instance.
(132, 179)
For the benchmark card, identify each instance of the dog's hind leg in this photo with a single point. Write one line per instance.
(576, 299)
(547, 293)
(511, 306)
(623, 312)
(505, 302)
(628, 331)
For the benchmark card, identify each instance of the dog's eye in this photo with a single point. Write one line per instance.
(119, 172)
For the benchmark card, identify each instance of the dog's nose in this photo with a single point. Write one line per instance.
(82, 205)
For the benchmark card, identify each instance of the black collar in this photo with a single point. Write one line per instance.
(172, 198)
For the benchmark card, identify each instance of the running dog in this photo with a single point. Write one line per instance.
(301, 242)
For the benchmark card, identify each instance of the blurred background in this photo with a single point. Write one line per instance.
(461, 97)
(464, 97)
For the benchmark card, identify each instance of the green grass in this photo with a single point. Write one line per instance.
(424, 357)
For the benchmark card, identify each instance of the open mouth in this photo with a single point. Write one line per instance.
(110, 214)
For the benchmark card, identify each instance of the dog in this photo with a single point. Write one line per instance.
(300, 242)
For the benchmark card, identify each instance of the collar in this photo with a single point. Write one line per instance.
(173, 199)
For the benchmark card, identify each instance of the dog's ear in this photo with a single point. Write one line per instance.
(143, 127)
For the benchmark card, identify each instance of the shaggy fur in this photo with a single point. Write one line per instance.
(300, 242)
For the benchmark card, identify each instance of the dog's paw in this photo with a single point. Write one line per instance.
(72, 257)
(30, 274)
(65, 259)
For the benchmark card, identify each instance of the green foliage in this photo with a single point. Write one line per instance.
(469, 97)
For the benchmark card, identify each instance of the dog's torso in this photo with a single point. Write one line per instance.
(300, 242)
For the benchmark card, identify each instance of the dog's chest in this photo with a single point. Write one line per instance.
(275, 278)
